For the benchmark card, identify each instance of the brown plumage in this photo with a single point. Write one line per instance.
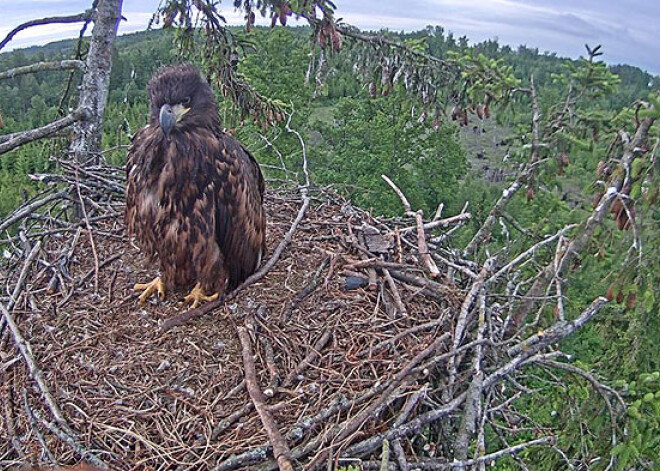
(194, 197)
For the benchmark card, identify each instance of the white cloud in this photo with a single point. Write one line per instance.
(626, 28)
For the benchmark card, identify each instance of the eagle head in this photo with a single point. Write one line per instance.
(180, 99)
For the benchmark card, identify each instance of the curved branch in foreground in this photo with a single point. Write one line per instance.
(79, 114)
(280, 449)
(42, 67)
(84, 16)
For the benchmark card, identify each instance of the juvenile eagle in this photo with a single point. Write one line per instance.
(194, 197)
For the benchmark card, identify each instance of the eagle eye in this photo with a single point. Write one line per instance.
(186, 101)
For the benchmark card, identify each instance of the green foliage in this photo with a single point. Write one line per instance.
(642, 441)
(369, 138)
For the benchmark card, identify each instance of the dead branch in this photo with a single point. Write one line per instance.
(461, 322)
(430, 288)
(280, 449)
(440, 223)
(529, 252)
(395, 293)
(42, 67)
(85, 16)
(63, 432)
(411, 403)
(309, 359)
(430, 464)
(485, 230)
(90, 234)
(356, 422)
(25, 137)
(26, 351)
(577, 245)
(536, 116)
(35, 428)
(8, 410)
(422, 247)
(558, 331)
(406, 204)
(474, 404)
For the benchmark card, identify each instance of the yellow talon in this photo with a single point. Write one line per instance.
(196, 296)
(156, 285)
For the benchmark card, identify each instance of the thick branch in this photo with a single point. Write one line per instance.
(96, 81)
(26, 351)
(42, 67)
(446, 222)
(484, 231)
(80, 114)
(422, 246)
(280, 449)
(558, 331)
(529, 252)
(353, 424)
(438, 465)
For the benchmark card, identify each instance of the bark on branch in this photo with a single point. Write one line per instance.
(42, 67)
(280, 449)
(28, 209)
(96, 81)
(578, 245)
(81, 114)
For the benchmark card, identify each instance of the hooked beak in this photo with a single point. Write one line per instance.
(170, 115)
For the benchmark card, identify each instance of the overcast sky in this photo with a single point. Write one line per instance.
(627, 29)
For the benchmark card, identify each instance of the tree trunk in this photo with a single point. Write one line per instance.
(96, 81)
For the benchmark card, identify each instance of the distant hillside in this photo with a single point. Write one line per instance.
(277, 69)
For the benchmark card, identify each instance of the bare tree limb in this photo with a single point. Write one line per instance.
(438, 465)
(46, 21)
(436, 223)
(485, 230)
(30, 208)
(473, 405)
(422, 246)
(580, 242)
(528, 253)
(280, 449)
(81, 114)
(42, 67)
(26, 350)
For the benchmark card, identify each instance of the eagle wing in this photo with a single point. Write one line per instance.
(139, 217)
(240, 218)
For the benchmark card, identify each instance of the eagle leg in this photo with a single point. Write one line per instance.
(156, 285)
(196, 297)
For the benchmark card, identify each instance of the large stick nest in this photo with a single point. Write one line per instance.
(353, 343)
